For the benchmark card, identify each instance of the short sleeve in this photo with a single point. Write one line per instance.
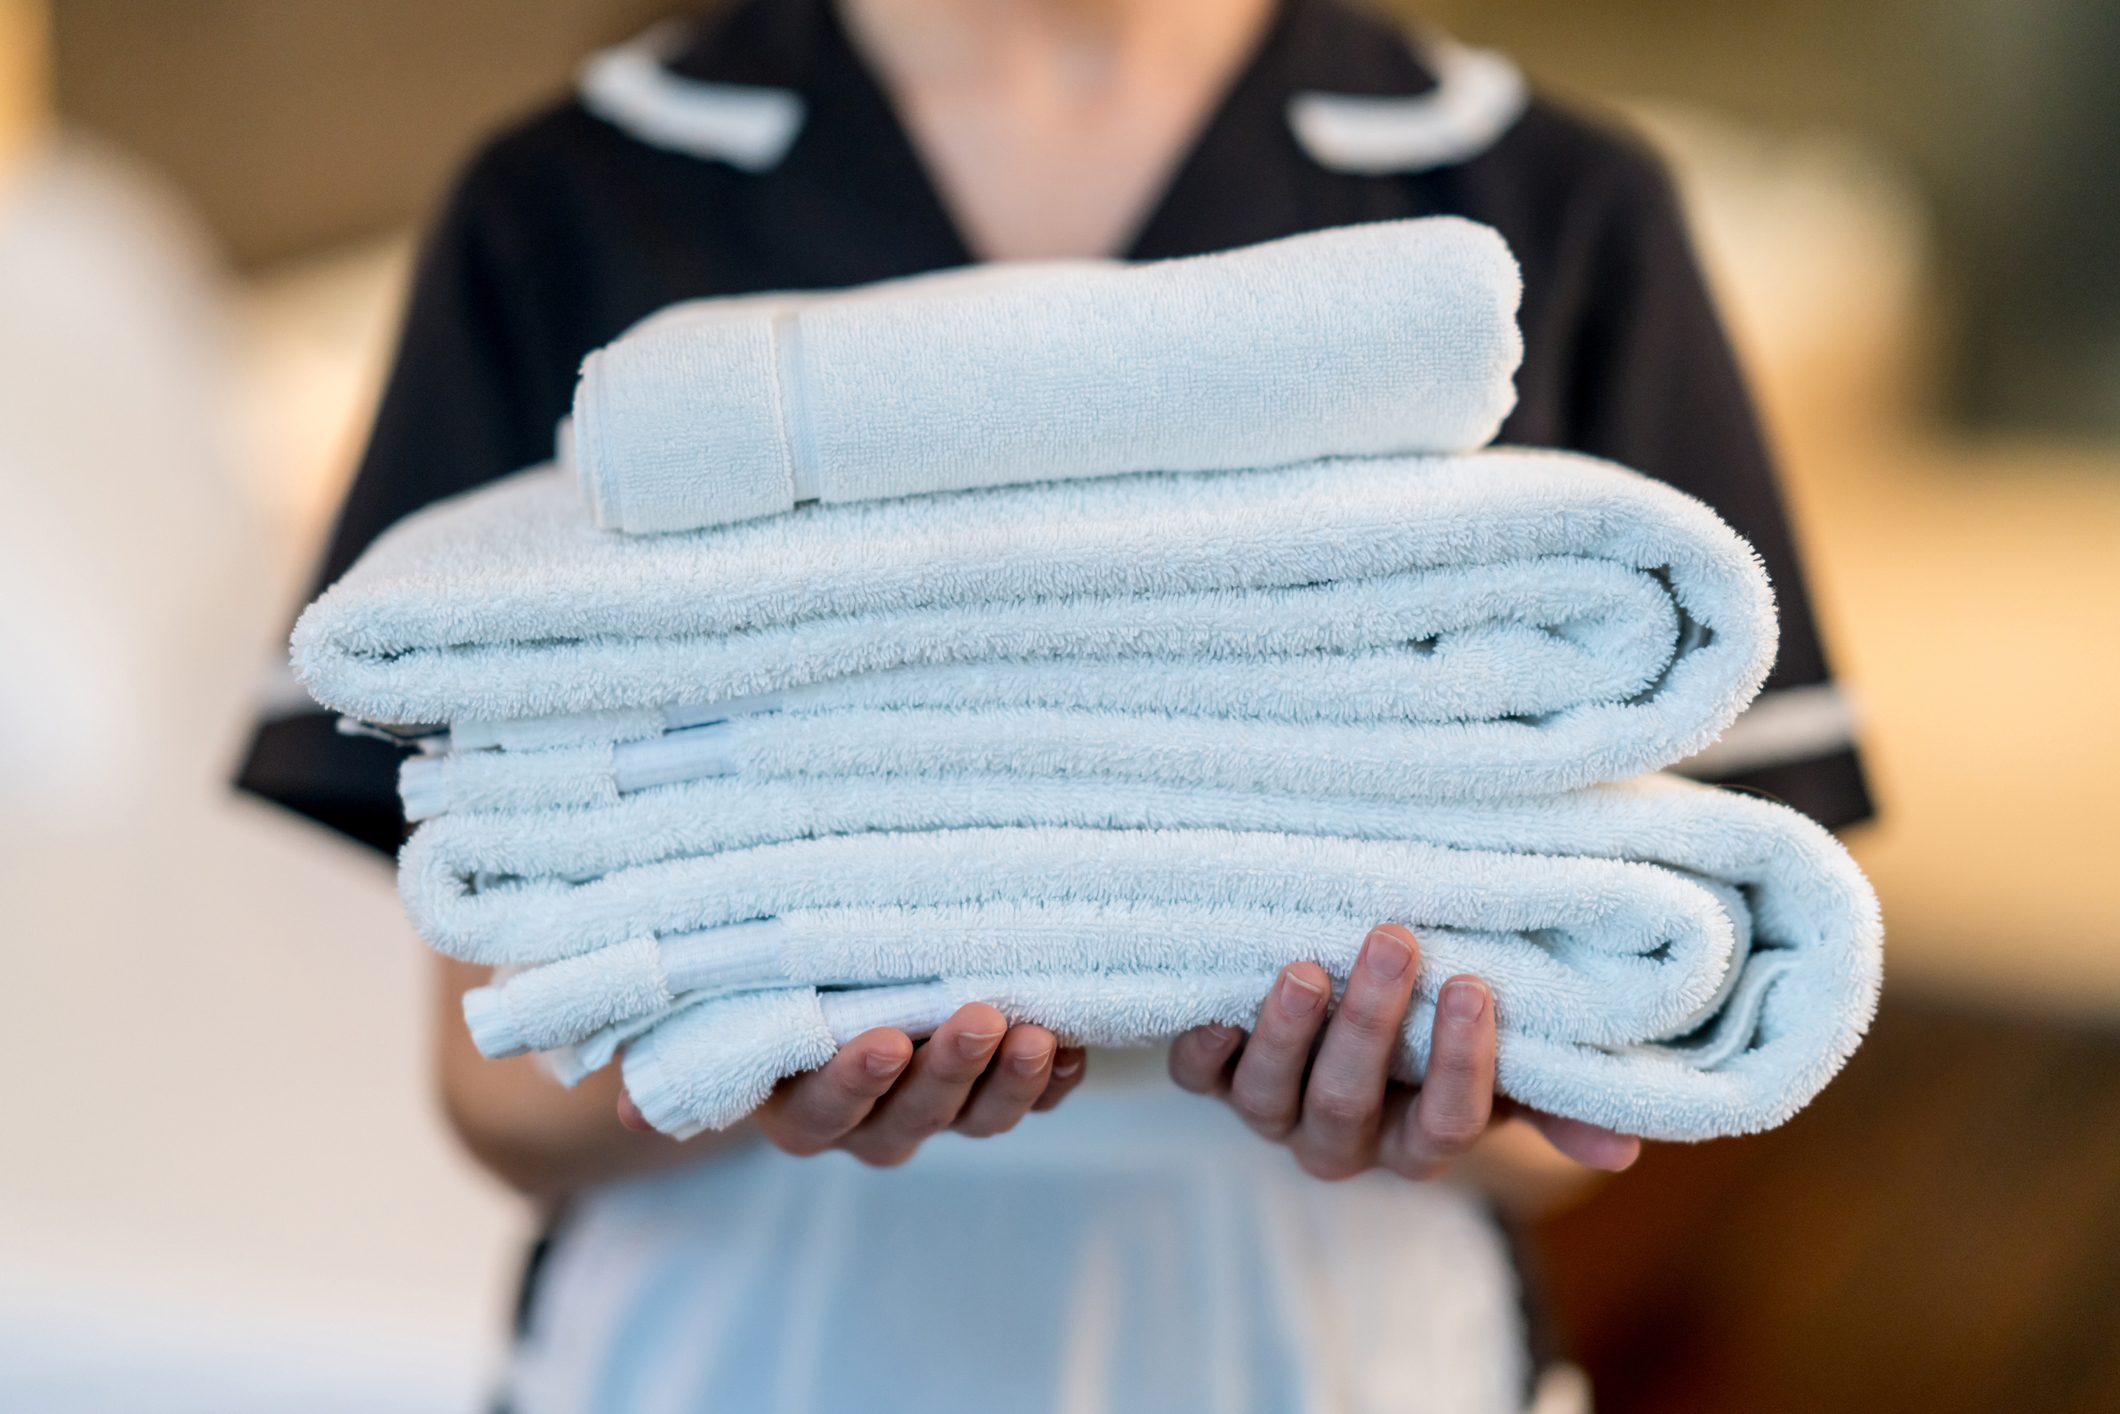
(475, 390)
(1653, 384)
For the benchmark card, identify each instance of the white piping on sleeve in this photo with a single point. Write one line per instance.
(1781, 727)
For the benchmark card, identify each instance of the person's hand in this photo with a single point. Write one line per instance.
(882, 1097)
(1320, 1086)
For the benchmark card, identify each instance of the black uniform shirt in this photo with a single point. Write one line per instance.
(569, 228)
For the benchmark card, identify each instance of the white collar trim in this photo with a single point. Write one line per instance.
(1478, 96)
(746, 127)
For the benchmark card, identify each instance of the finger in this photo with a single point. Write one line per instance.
(933, 1090)
(1070, 1064)
(1587, 1144)
(1199, 1059)
(1344, 1101)
(1011, 1085)
(630, 1116)
(1267, 1085)
(1457, 1094)
(1399, 1101)
(809, 1113)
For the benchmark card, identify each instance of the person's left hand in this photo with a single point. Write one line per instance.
(1321, 1086)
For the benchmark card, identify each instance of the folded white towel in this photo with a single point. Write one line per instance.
(1644, 970)
(712, 1063)
(1656, 622)
(1393, 337)
(1401, 762)
(1619, 636)
(1606, 920)
(507, 886)
(1785, 1027)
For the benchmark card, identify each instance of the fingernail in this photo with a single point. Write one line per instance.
(1616, 1153)
(1386, 955)
(974, 1044)
(1219, 1038)
(1463, 1000)
(1065, 1070)
(1033, 1063)
(883, 1064)
(1299, 995)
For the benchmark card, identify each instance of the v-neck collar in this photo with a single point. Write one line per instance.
(1234, 95)
(863, 162)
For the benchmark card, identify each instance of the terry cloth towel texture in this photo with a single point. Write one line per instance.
(1725, 948)
(1396, 336)
(1657, 622)
(1372, 760)
(1103, 750)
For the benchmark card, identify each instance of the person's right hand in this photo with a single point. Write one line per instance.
(882, 1097)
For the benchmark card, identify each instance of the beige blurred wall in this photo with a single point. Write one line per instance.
(25, 77)
(296, 124)
(1972, 590)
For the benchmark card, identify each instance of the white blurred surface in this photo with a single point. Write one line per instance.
(124, 536)
(226, 1187)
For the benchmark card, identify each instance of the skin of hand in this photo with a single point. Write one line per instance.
(1314, 1077)
(882, 1096)
(879, 1098)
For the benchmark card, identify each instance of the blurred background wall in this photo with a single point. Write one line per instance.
(225, 1164)
(298, 124)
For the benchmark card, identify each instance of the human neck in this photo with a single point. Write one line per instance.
(920, 42)
(1050, 127)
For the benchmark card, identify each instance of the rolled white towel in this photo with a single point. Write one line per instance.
(1397, 336)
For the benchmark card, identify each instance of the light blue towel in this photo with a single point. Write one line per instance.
(508, 888)
(1394, 337)
(1620, 628)
(1643, 961)
(712, 1064)
(471, 882)
(502, 606)
(572, 1064)
(1605, 920)
(1370, 760)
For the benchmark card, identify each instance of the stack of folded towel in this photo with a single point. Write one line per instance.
(1158, 626)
